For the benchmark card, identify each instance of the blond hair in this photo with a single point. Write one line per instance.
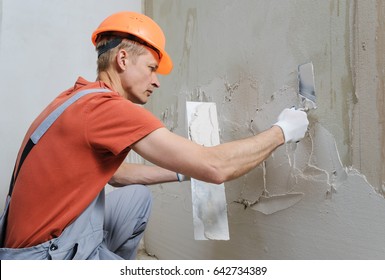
(106, 59)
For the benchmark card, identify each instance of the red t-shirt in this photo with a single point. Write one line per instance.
(72, 162)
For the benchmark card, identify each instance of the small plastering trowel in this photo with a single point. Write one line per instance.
(306, 86)
(306, 90)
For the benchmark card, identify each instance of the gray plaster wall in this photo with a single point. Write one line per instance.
(323, 198)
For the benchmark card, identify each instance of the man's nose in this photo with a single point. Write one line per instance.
(155, 81)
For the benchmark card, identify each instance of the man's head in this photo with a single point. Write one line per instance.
(135, 30)
(131, 52)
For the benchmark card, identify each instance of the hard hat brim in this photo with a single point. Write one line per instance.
(165, 65)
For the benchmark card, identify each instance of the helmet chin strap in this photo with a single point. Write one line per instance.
(109, 45)
(117, 40)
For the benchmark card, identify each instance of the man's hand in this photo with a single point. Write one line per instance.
(293, 123)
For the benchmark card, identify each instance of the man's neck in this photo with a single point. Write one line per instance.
(112, 80)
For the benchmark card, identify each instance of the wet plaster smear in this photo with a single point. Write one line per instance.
(319, 199)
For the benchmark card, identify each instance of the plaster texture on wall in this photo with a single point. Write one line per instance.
(368, 116)
(318, 199)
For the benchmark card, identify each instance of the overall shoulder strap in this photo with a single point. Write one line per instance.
(45, 125)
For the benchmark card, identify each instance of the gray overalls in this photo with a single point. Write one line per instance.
(110, 228)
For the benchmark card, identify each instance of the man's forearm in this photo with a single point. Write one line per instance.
(236, 158)
(129, 173)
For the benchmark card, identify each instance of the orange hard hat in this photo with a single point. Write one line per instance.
(142, 27)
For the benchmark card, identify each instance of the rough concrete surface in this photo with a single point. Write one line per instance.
(322, 198)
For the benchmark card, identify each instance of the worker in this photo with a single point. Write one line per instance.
(57, 207)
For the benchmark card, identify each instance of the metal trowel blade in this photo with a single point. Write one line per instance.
(306, 81)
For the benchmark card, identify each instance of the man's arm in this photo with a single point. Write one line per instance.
(211, 164)
(223, 162)
(129, 173)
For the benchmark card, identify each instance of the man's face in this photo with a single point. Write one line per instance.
(140, 79)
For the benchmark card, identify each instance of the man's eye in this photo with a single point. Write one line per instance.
(153, 68)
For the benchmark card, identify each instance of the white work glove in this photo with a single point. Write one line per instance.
(293, 123)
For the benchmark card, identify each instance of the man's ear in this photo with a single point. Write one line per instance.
(121, 59)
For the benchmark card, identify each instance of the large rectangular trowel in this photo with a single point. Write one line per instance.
(208, 200)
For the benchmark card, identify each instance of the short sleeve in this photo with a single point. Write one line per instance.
(114, 123)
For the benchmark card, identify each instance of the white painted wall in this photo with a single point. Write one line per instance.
(44, 46)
